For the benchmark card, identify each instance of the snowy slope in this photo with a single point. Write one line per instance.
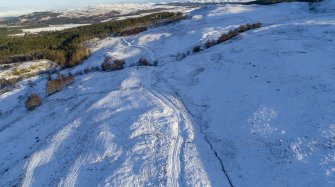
(217, 1)
(255, 111)
(121, 8)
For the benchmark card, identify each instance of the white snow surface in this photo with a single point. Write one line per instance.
(51, 28)
(26, 69)
(122, 8)
(257, 110)
(217, 1)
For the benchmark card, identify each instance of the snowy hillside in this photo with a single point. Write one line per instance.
(257, 110)
(55, 20)
(217, 1)
(120, 9)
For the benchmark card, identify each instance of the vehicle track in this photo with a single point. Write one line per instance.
(174, 158)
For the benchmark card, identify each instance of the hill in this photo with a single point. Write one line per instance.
(254, 110)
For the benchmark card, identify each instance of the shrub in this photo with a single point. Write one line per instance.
(108, 59)
(196, 49)
(133, 31)
(209, 43)
(143, 62)
(256, 25)
(9, 82)
(243, 28)
(109, 65)
(228, 36)
(57, 56)
(97, 68)
(78, 73)
(87, 70)
(77, 57)
(33, 101)
(118, 64)
(106, 66)
(180, 56)
(58, 84)
(31, 84)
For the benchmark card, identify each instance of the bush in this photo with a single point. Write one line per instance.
(180, 56)
(244, 28)
(77, 57)
(108, 59)
(110, 65)
(256, 25)
(143, 62)
(5, 83)
(133, 31)
(31, 84)
(106, 66)
(228, 36)
(57, 56)
(97, 68)
(79, 73)
(87, 70)
(196, 49)
(33, 101)
(58, 84)
(118, 64)
(210, 43)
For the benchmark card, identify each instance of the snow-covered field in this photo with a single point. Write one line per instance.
(116, 11)
(122, 9)
(26, 69)
(51, 28)
(255, 111)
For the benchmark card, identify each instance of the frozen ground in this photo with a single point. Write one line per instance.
(51, 28)
(122, 9)
(26, 69)
(97, 13)
(255, 111)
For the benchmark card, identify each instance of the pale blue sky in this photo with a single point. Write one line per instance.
(19, 7)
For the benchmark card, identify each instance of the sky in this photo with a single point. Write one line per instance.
(19, 7)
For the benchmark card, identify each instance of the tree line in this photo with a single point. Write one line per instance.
(65, 47)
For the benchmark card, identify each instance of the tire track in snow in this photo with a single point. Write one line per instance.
(147, 51)
(187, 112)
(174, 157)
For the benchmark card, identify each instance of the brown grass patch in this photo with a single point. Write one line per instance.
(33, 102)
(58, 84)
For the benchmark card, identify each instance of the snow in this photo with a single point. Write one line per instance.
(253, 111)
(121, 9)
(51, 28)
(26, 69)
(125, 10)
(217, 1)
(20, 34)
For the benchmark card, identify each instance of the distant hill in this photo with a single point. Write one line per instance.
(88, 15)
